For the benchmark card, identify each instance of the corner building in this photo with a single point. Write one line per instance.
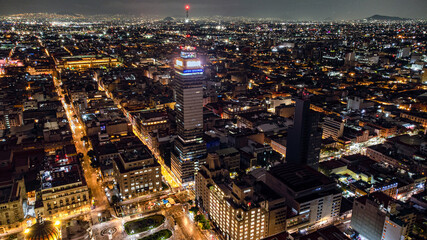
(137, 173)
(241, 209)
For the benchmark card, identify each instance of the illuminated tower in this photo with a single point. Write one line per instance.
(189, 150)
(187, 7)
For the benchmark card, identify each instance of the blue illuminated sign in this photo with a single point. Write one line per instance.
(193, 71)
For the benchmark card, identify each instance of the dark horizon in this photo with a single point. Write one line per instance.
(282, 9)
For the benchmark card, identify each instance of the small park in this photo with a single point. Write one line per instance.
(144, 224)
(160, 235)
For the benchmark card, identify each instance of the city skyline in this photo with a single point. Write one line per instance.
(287, 10)
(209, 128)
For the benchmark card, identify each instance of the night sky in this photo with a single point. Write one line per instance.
(287, 9)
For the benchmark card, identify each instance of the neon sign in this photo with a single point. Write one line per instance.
(193, 71)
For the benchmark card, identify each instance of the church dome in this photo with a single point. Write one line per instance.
(44, 230)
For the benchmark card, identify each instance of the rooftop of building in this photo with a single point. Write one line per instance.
(83, 57)
(326, 233)
(317, 194)
(5, 192)
(62, 175)
(299, 177)
(227, 151)
(332, 164)
(264, 192)
(279, 236)
(121, 167)
(412, 141)
(378, 197)
(104, 149)
(417, 114)
(146, 115)
(136, 154)
(9, 189)
(355, 158)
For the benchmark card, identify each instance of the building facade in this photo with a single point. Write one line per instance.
(189, 148)
(333, 128)
(136, 173)
(64, 190)
(12, 194)
(304, 137)
(241, 209)
(311, 197)
(378, 216)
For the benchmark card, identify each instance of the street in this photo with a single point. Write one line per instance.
(185, 228)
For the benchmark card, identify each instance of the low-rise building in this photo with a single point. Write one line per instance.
(230, 157)
(64, 189)
(380, 153)
(12, 195)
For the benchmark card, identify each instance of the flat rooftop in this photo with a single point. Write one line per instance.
(137, 154)
(62, 175)
(326, 233)
(299, 177)
(227, 151)
(5, 194)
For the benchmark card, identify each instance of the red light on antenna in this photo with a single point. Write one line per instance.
(187, 36)
(187, 7)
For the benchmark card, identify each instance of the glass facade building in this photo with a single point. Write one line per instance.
(189, 148)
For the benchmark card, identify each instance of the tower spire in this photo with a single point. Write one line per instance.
(187, 8)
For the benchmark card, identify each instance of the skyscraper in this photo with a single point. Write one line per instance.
(189, 147)
(304, 137)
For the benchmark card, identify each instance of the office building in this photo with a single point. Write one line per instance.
(311, 197)
(305, 136)
(137, 172)
(332, 128)
(189, 148)
(241, 209)
(378, 216)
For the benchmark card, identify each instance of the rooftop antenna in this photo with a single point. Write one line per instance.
(187, 8)
(187, 21)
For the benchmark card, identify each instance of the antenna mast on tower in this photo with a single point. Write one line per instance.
(187, 8)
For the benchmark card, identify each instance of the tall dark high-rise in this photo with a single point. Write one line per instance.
(304, 137)
(189, 149)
